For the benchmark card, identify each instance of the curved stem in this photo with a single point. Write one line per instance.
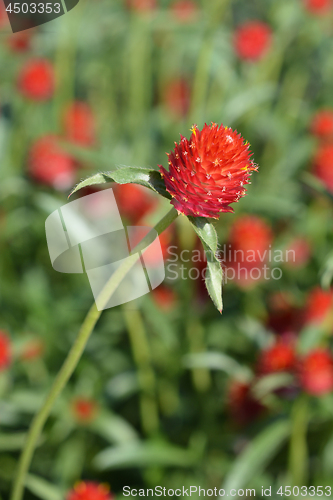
(298, 454)
(75, 353)
(146, 375)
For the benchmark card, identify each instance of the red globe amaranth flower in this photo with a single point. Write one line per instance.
(322, 124)
(84, 410)
(251, 234)
(249, 246)
(176, 97)
(36, 80)
(318, 305)
(5, 351)
(280, 357)
(141, 5)
(184, 11)
(79, 124)
(134, 201)
(50, 164)
(298, 253)
(316, 372)
(88, 490)
(252, 40)
(19, 42)
(241, 404)
(284, 316)
(319, 7)
(208, 172)
(32, 350)
(164, 297)
(323, 165)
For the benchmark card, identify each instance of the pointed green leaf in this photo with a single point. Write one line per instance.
(255, 457)
(144, 454)
(147, 177)
(214, 275)
(42, 488)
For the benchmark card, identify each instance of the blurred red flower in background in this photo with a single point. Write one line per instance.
(176, 97)
(90, 491)
(49, 164)
(141, 5)
(284, 317)
(323, 165)
(36, 80)
(299, 252)
(84, 410)
(184, 11)
(322, 124)
(251, 233)
(320, 7)
(32, 350)
(319, 303)
(279, 357)
(250, 240)
(208, 172)
(5, 351)
(79, 124)
(252, 40)
(242, 406)
(164, 297)
(19, 42)
(134, 202)
(316, 372)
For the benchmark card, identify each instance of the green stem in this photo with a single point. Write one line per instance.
(298, 454)
(75, 353)
(195, 333)
(147, 381)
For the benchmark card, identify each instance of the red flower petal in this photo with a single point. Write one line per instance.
(208, 172)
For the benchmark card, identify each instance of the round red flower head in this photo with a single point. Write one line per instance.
(252, 40)
(36, 80)
(322, 124)
(316, 372)
(319, 7)
(79, 124)
(323, 165)
(208, 172)
(49, 164)
(5, 351)
(279, 357)
(90, 491)
(84, 410)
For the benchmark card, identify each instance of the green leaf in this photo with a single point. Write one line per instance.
(310, 337)
(327, 272)
(113, 428)
(42, 489)
(143, 455)
(316, 184)
(270, 383)
(253, 460)
(218, 361)
(13, 441)
(147, 177)
(214, 275)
